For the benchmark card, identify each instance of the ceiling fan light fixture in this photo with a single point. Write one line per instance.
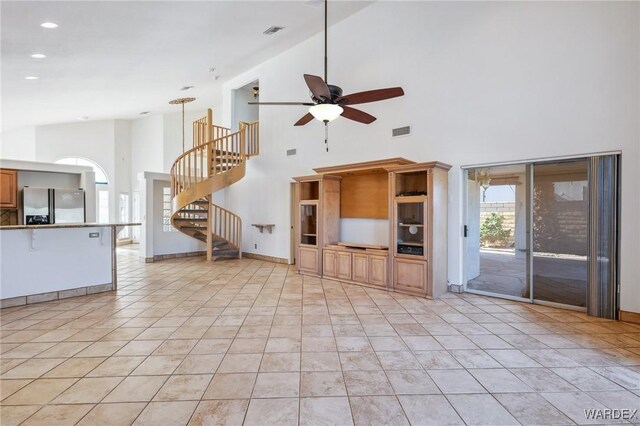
(326, 112)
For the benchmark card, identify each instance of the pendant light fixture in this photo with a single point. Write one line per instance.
(182, 101)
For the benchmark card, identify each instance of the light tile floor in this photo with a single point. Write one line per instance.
(189, 342)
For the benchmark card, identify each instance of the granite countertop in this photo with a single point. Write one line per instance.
(68, 225)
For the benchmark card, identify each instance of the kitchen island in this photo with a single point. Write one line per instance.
(39, 263)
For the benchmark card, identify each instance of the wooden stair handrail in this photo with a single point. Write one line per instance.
(206, 168)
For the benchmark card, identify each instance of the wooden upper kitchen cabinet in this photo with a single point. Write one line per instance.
(8, 189)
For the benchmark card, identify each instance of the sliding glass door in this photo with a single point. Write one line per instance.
(497, 237)
(560, 232)
(545, 232)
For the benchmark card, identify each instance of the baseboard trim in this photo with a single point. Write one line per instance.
(627, 316)
(273, 259)
(55, 295)
(172, 256)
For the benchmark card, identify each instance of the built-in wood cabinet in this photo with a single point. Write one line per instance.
(318, 198)
(308, 260)
(410, 276)
(360, 269)
(411, 196)
(418, 230)
(377, 270)
(329, 264)
(357, 265)
(343, 266)
(336, 264)
(8, 189)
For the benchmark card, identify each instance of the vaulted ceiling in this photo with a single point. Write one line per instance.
(116, 59)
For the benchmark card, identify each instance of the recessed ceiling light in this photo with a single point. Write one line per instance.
(186, 87)
(145, 112)
(83, 118)
(31, 77)
(49, 25)
(38, 56)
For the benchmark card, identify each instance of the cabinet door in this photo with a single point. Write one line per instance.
(308, 260)
(8, 189)
(411, 275)
(329, 263)
(378, 270)
(343, 265)
(360, 268)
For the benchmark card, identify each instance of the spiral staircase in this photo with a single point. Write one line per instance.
(218, 159)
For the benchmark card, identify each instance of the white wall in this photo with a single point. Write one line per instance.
(485, 82)
(122, 165)
(146, 147)
(18, 144)
(153, 240)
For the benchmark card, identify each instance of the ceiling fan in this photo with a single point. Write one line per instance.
(328, 102)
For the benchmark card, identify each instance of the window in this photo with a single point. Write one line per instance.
(123, 217)
(101, 175)
(166, 210)
(103, 206)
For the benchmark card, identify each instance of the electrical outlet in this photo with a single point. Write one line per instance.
(255, 246)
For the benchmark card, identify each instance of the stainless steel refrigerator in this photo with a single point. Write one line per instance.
(46, 206)
(68, 206)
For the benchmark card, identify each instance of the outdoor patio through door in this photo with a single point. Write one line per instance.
(531, 232)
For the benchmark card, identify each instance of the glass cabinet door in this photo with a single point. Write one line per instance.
(308, 224)
(410, 228)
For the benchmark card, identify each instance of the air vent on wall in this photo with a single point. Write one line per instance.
(401, 131)
(273, 30)
(291, 152)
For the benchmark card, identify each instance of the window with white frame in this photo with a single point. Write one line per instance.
(103, 206)
(101, 175)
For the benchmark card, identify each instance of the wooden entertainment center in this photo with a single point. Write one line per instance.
(412, 196)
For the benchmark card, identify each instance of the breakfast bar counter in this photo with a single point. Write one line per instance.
(40, 263)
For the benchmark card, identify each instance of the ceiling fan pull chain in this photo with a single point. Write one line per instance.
(326, 136)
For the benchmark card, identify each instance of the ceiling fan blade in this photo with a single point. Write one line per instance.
(281, 103)
(357, 115)
(371, 96)
(317, 86)
(304, 120)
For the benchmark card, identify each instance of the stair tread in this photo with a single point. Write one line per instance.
(192, 219)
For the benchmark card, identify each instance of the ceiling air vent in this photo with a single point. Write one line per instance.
(273, 30)
(401, 131)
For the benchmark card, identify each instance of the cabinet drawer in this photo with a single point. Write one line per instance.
(360, 268)
(377, 267)
(410, 275)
